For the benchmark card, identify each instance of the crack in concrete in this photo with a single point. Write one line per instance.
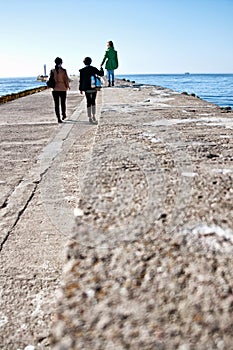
(20, 213)
(45, 162)
(5, 203)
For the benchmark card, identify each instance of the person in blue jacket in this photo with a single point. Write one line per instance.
(111, 59)
(85, 85)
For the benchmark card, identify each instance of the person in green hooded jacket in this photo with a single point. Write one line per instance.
(111, 63)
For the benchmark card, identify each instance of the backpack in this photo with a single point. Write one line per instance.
(95, 82)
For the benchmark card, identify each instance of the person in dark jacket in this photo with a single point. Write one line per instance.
(111, 59)
(85, 85)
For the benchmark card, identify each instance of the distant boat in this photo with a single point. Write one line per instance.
(43, 77)
(186, 73)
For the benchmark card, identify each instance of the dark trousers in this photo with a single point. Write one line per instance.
(91, 97)
(60, 96)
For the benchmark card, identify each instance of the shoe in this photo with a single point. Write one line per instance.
(94, 120)
(63, 117)
(91, 121)
(112, 83)
(59, 121)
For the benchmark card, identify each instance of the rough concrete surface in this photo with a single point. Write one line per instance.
(147, 263)
(33, 229)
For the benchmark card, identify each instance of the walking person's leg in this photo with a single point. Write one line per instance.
(93, 107)
(109, 77)
(63, 104)
(112, 74)
(88, 97)
(56, 103)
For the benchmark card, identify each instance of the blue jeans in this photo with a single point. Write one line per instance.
(110, 75)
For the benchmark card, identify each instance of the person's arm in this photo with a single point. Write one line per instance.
(116, 59)
(100, 72)
(67, 80)
(104, 59)
(96, 71)
(80, 81)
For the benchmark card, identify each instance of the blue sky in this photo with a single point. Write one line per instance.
(151, 36)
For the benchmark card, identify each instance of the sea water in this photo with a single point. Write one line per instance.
(214, 88)
(14, 85)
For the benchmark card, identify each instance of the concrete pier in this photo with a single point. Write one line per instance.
(116, 236)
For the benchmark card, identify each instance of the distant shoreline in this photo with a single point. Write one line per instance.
(14, 96)
(122, 74)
